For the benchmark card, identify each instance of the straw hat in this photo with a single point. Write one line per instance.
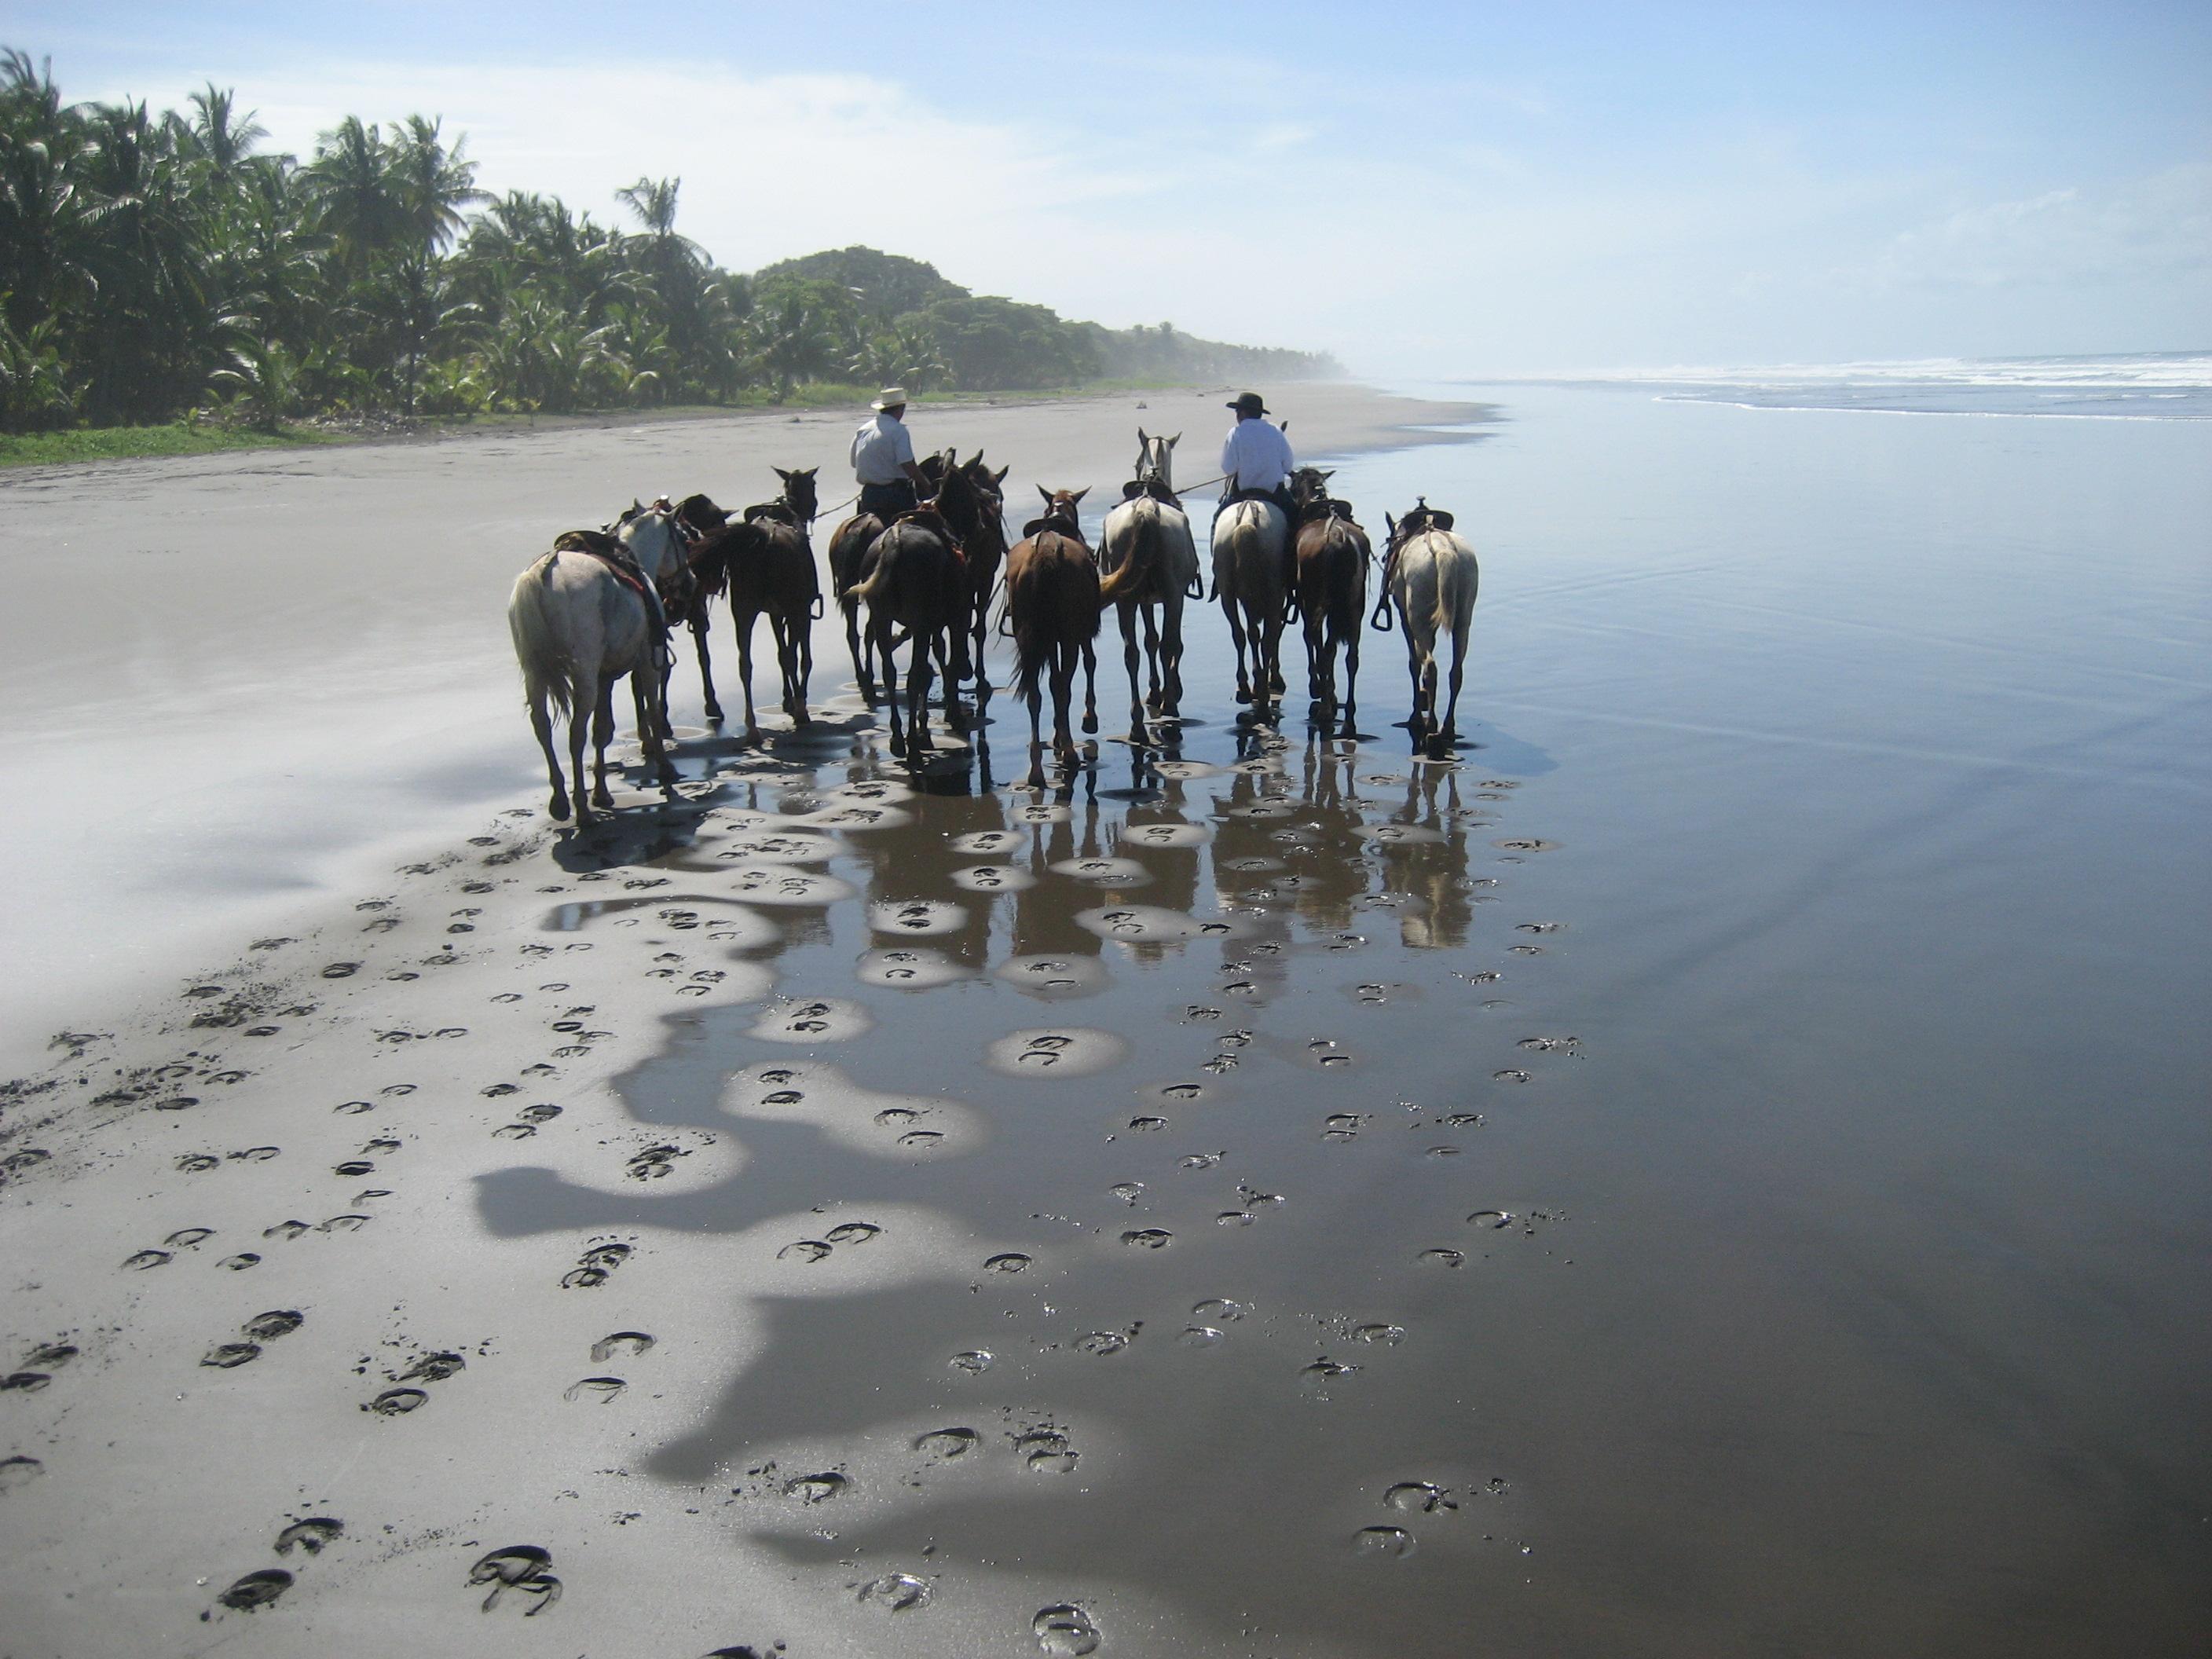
(891, 397)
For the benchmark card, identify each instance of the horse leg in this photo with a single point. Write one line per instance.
(802, 624)
(746, 621)
(879, 640)
(1236, 639)
(1064, 693)
(1413, 669)
(1351, 667)
(861, 668)
(1172, 654)
(1152, 658)
(542, 723)
(1137, 733)
(699, 628)
(917, 697)
(653, 714)
(1311, 624)
(1035, 699)
(1272, 633)
(603, 733)
(951, 640)
(1444, 739)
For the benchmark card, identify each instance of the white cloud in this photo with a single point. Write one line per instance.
(2155, 226)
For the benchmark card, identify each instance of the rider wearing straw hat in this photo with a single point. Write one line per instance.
(882, 459)
(1255, 457)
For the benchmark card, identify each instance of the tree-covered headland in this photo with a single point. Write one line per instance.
(154, 265)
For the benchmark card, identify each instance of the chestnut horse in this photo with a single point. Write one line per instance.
(1053, 601)
(1330, 581)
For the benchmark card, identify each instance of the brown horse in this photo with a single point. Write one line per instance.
(916, 581)
(1330, 581)
(1053, 600)
(765, 563)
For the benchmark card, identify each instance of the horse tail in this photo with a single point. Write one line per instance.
(1147, 544)
(1454, 570)
(545, 669)
(1031, 651)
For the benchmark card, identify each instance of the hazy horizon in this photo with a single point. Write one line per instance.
(1592, 190)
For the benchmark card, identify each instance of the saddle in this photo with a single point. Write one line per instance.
(1325, 507)
(1422, 518)
(1060, 523)
(777, 511)
(612, 554)
(929, 518)
(1152, 487)
(1267, 495)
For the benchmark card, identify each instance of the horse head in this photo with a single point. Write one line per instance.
(1061, 512)
(798, 492)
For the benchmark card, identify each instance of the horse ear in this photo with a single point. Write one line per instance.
(1047, 494)
(1078, 496)
(780, 473)
(1142, 441)
(1326, 476)
(1000, 475)
(1173, 441)
(1390, 526)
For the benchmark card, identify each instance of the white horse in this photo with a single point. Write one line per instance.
(578, 627)
(1433, 577)
(1150, 532)
(1249, 541)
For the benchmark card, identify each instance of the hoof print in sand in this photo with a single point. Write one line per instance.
(226, 1355)
(592, 1267)
(256, 1589)
(632, 1343)
(1065, 1630)
(596, 1390)
(17, 1473)
(1071, 1052)
(310, 1534)
(396, 1402)
(521, 1569)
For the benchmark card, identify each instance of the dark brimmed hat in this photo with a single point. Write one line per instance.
(1248, 402)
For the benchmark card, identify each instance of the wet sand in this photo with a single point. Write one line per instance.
(1629, 1190)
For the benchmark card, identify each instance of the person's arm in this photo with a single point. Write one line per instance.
(921, 479)
(1229, 456)
(1289, 462)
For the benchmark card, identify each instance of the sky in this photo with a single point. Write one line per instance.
(1429, 190)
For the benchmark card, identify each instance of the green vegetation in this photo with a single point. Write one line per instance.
(154, 268)
(111, 443)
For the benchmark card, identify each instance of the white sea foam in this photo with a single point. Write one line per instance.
(2175, 386)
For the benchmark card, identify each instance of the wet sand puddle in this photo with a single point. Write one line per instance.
(1096, 1189)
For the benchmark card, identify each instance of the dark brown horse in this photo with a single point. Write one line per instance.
(764, 560)
(1330, 581)
(1053, 601)
(917, 589)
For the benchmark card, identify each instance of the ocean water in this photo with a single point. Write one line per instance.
(2175, 386)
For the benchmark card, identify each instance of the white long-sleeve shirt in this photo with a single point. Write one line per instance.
(881, 448)
(1256, 455)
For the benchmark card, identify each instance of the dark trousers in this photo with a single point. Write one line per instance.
(887, 501)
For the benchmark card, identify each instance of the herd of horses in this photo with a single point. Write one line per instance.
(604, 604)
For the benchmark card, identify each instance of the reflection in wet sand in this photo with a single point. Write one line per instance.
(1249, 947)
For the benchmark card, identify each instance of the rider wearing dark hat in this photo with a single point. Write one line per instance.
(1256, 463)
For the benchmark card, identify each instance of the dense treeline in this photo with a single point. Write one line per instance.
(152, 265)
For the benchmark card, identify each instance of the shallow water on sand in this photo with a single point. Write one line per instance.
(1734, 1177)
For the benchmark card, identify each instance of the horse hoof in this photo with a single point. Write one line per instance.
(1242, 694)
(558, 811)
